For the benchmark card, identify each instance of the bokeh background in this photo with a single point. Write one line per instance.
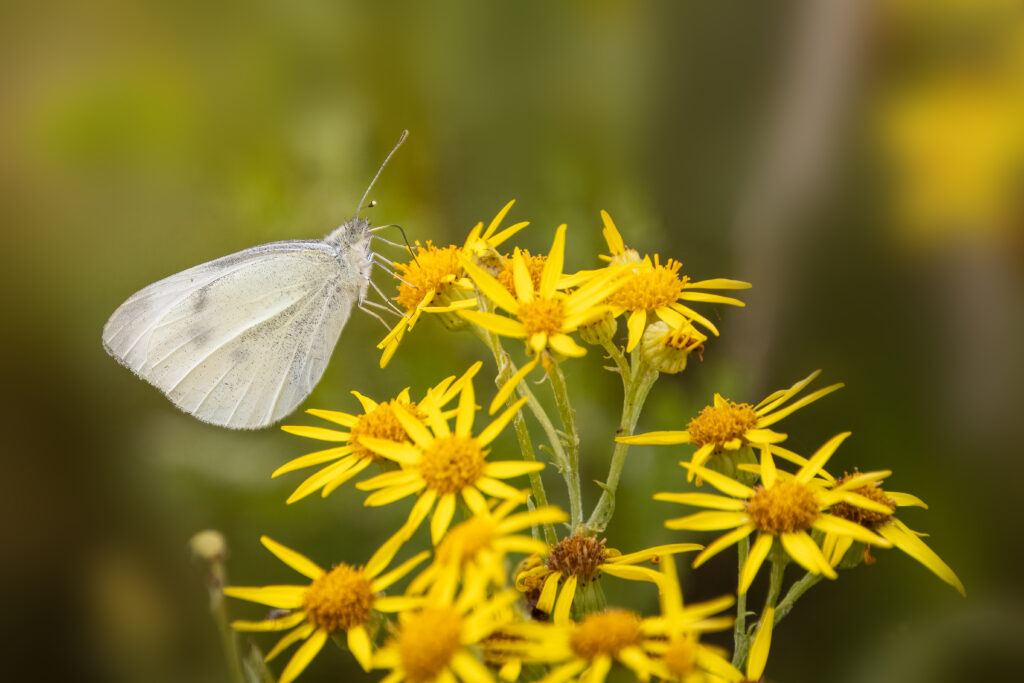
(859, 162)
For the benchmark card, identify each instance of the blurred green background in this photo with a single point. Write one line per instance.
(859, 162)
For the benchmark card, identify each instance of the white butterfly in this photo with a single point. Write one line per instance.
(242, 340)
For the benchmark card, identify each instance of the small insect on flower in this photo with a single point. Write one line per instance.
(727, 427)
(441, 463)
(885, 524)
(339, 601)
(781, 507)
(577, 560)
(378, 420)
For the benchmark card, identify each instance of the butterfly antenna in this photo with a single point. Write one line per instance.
(394, 149)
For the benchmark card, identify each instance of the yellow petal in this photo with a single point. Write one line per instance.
(704, 500)
(546, 601)
(755, 558)
(303, 656)
(636, 324)
(285, 597)
(301, 633)
(296, 561)
(907, 541)
(360, 647)
(343, 419)
(490, 287)
(758, 657)
(806, 553)
(279, 624)
(844, 527)
(561, 613)
(311, 459)
(393, 493)
(553, 265)
(721, 482)
(565, 345)
(664, 438)
(721, 543)
(319, 433)
(510, 385)
(820, 457)
(442, 517)
(491, 431)
(499, 324)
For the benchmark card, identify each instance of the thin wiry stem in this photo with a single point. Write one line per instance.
(568, 415)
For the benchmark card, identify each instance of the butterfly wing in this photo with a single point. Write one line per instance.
(239, 341)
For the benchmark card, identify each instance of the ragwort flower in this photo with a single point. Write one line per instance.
(543, 316)
(780, 507)
(885, 524)
(577, 560)
(438, 641)
(441, 464)
(726, 426)
(652, 288)
(377, 420)
(338, 601)
(434, 280)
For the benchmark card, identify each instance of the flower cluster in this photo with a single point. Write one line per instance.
(511, 585)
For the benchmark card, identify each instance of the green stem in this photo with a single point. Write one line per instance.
(775, 582)
(638, 384)
(740, 639)
(615, 353)
(568, 415)
(219, 610)
(794, 593)
(536, 483)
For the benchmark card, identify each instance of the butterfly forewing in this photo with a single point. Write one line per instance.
(242, 340)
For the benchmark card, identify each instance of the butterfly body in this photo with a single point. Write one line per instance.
(241, 340)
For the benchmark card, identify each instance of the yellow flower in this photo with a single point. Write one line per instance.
(341, 600)
(780, 507)
(666, 645)
(544, 317)
(673, 638)
(441, 464)
(885, 524)
(576, 561)
(434, 281)
(655, 288)
(728, 426)
(440, 640)
(480, 544)
(377, 420)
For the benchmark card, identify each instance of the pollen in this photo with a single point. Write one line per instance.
(339, 600)
(720, 424)
(380, 423)
(542, 316)
(432, 269)
(605, 633)
(680, 657)
(534, 265)
(650, 288)
(451, 463)
(866, 518)
(428, 642)
(784, 508)
(578, 556)
(469, 537)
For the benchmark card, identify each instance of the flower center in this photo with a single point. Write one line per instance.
(578, 556)
(428, 642)
(786, 507)
(866, 518)
(681, 657)
(534, 265)
(451, 463)
(649, 288)
(605, 633)
(541, 315)
(380, 423)
(433, 269)
(468, 538)
(339, 600)
(721, 424)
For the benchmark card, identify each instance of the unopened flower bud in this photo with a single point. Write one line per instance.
(667, 348)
